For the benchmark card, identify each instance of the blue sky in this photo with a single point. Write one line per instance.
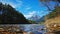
(27, 7)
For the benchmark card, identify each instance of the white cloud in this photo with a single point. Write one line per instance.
(18, 3)
(18, 0)
(28, 8)
(30, 14)
(41, 12)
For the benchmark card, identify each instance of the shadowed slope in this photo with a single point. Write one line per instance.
(8, 15)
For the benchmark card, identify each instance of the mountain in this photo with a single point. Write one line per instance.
(9, 15)
(42, 19)
(34, 17)
(37, 18)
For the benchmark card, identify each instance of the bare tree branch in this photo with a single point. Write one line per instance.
(46, 3)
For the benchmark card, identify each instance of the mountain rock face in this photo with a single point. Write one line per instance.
(8, 15)
(34, 17)
(42, 19)
(37, 18)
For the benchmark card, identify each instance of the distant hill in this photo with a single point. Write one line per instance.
(8, 15)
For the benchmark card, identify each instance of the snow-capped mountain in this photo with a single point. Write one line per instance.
(34, 17)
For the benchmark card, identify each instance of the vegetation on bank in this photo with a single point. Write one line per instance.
(54, 13)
